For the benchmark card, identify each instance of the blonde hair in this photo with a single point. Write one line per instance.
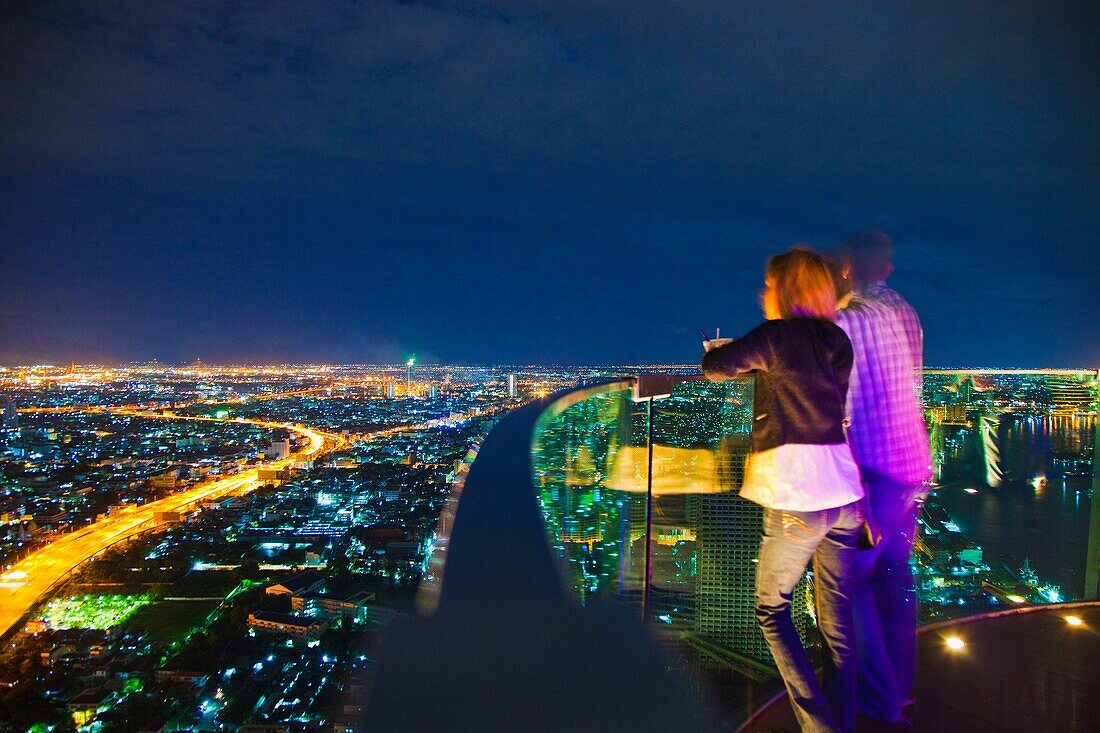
(803, 284)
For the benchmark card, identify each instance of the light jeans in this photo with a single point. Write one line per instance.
(830, 537)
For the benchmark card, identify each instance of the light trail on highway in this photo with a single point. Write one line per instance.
(27, 581)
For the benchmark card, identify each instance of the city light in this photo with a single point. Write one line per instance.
(1051, 594)
(91, 612)
(71, 549)
(362, 502)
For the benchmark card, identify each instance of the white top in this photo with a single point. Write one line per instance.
(802, 478)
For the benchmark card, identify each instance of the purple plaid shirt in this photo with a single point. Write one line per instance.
(887, 433)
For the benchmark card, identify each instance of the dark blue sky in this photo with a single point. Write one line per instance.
(535, 182)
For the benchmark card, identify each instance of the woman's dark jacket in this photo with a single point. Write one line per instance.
(801, 367)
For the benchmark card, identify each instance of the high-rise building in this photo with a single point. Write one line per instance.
(10, 415)
(391, 389)
(511, 380)
(1072, 394)
(280, 446)
(728, 543)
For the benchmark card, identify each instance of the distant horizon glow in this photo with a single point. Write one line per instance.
(259, 366)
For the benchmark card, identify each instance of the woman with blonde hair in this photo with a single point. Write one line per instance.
(802, 472)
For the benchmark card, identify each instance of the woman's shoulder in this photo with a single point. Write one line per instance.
(763, 331)
(819, 325)
(783, 330)
(836, 335)
(832, 328)
(825, 330)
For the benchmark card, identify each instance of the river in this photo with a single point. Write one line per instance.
(1040, 511)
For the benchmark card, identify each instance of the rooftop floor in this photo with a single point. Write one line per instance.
(1018, 672)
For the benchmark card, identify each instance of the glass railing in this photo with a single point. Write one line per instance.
(588, 458)
(640, 505)
(637, 485)
(499, 603)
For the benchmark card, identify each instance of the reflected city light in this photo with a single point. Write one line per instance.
(1074, 621)
(955, 644)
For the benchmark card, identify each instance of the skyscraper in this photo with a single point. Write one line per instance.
(728, 544)
(511, 385)
(10, 415)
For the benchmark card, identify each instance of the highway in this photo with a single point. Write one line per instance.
(24, 583)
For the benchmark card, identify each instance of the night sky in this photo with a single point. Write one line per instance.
(521, 182)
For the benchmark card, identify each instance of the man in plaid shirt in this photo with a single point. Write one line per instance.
(890, 444)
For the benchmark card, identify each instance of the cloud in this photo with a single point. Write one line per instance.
(712, 129)
(719, 89)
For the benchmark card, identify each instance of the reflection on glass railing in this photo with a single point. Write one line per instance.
(598, 465)
(593, 528)
(705, 537)
(1007, 521)
(640, 501)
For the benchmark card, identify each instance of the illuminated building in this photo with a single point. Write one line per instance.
(352, 608)
(88, 703)
(1073, 394)
(279, 447)
(728, 543)
(285, 623)
(299, 584)
(949, 415)
(169, 480)
(10, 415)
(511, 382)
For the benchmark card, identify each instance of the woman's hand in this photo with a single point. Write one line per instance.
(715, 343)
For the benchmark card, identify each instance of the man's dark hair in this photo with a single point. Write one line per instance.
(870, 254)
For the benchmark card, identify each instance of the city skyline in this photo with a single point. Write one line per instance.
(164, 529)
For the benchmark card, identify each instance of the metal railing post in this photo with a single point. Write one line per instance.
(648, 577)
(1092, 556)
